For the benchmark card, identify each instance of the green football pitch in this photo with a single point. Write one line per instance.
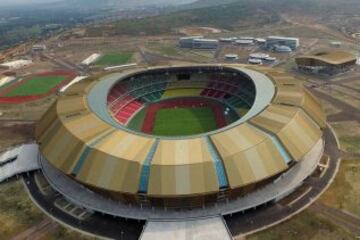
(36, 86)
(114, 59)
(184, 121)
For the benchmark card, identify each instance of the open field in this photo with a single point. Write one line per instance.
(350, 143)
(344, 193)
(63, 233)
(184, 121)
(355, 85)
(164, 47)
(114, 59)
(36, 86)
(26, 111)
(15, 133)
(306, 225)
(17, 212)
(349, 135)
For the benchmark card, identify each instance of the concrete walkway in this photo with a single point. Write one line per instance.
(18, 160)
(201, 229)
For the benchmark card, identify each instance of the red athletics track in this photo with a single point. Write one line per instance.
(21, 99)
(150, 116)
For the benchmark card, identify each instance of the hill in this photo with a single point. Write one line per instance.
(228, 14)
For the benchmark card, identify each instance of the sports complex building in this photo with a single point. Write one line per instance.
(180, 142)
(326, 62)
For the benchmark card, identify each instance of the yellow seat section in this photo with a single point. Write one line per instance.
(188, 92)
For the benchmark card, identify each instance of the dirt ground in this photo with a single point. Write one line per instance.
(306, 225)
(15, 133)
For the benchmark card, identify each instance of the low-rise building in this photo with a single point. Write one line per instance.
(188, 42)
(282, 49)
(198, 42)
(231, 57)
(244, 42)
(255, 61)
(203, 43)
(228, 40)
(38, 48)
(273, 41)
(259, 55)
(15, 64)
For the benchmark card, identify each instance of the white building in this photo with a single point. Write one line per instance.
(231, 57)
(228, 40)
(91, 59)
(290, 42)
(188, 42)
(244, 42)
(255, 61)
(261, 56)
(205, 43)
(260, 40)
(197, 42)
(282, 49)
(38, 48)
(15, 64)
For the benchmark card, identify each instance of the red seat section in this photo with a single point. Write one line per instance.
(122, 107)
(127, 111)
(219, 86)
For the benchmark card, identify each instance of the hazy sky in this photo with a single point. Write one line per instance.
(15, 2)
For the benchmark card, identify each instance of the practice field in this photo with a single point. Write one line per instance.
(114, 59)
(184, 121)
(36, 86)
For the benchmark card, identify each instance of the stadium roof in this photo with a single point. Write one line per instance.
(332, 57)
(95, 152)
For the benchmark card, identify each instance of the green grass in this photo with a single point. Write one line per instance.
(137, 121)
(36, 86)
(184, 121)
(114, 59)
(6, 85)
(350, 143)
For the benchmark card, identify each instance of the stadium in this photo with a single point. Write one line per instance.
(181, 137)
(326, 62)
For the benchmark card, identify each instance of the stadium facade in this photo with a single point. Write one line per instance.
(88, 151)
(326, 62)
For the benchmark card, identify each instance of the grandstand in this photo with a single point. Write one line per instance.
(129, 96)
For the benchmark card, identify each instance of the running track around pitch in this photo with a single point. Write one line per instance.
(21, 99)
